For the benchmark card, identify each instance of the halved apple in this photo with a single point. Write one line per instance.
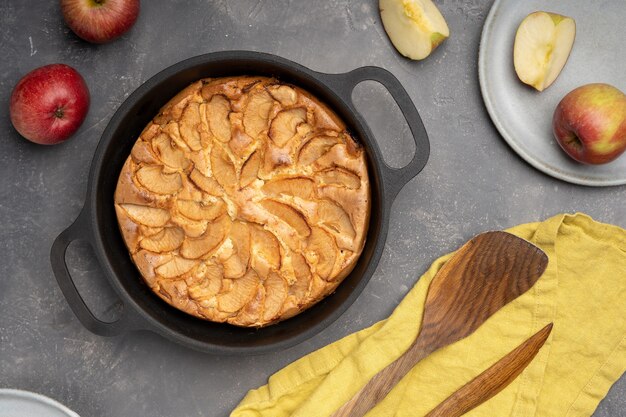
(415, 27)
(543, 43)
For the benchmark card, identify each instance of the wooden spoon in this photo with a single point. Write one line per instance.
(484, 275)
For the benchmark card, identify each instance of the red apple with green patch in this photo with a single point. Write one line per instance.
(100, 21)
(590, 123)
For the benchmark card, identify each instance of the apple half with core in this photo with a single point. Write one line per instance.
(590, 123)
(100, 21)
(415, 27)
(49, 104)
(542, 45)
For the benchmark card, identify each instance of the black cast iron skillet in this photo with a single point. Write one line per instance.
(97, 222)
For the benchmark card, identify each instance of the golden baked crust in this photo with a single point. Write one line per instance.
(244, 201)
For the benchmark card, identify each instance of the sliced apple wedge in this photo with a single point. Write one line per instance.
(543, 43)
(415, 27)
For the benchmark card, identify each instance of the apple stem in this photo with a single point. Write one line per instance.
(58, 112)
(574, 141)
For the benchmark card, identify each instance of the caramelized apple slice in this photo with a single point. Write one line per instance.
(315, 148)
(207, 184)
(275, 294)
(265, 251)
(335, 217)
(169, 154)
(289, 215)
(209, 282)
(240, 142)
(173, 132)
(257, 112)
(300, 288)
(241, 292)
(211, 239)
(222, 167)
(298, 186)
(251, 313)
(166, 240)
(192, 228)
(341, 177)
(190, 126)
(234, 267)
(199, 211)
(285, 123)
(240, 236)
(250, 169)
(321, 250)
(218, 109)
(142, 152)
(148, 216)
(286, 95)
(175, 267)
(152, 178)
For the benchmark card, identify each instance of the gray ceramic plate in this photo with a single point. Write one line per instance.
(524, 116)
(17, 403)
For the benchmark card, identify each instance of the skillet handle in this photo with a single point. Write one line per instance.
(79, 230)
(394, 178)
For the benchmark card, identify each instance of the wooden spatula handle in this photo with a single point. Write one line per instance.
(493, 380)
(382, 383)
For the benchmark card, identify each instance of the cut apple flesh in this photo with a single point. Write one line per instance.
(415, 27)
(543, 43)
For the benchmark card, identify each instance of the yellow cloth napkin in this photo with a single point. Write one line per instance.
(583, 291)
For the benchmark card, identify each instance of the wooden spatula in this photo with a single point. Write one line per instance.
(493, 380)
(485, 274)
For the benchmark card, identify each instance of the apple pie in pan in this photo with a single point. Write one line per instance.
(245, 200)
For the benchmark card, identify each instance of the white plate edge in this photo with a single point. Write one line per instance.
(40, 398)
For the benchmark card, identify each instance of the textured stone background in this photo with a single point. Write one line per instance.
(473, 182)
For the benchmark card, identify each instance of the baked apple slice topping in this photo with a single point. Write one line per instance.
(289, 215)
(250, 169)
(239, 294)
(190, 126)
(175, 267)
(299, 187)
(167, 240)
(339, 177)
(335, 218)
(169, 154)
(286, 95)
(222, 167)
(209, 241)
(196, 210)
(217, 111)
(315, 148)
(148, 216)
(321, 252)
(257, 113)
(152, 178)
(285, 125)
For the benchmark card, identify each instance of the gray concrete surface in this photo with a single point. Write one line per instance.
(473, 182)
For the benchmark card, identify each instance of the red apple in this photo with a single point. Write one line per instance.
(100, 21)
(590, 123)
(49, 104)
